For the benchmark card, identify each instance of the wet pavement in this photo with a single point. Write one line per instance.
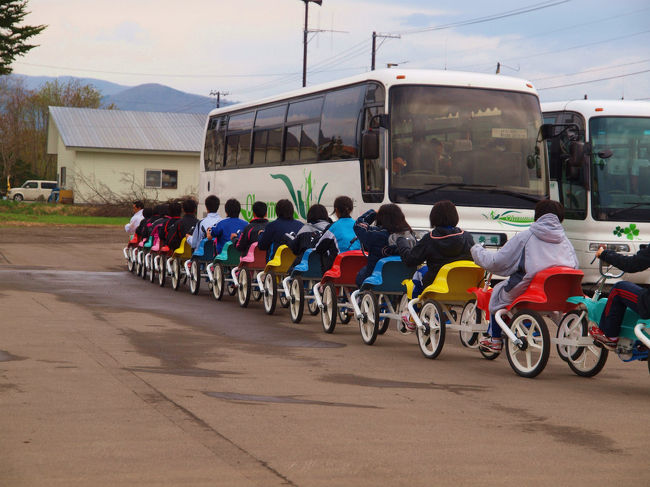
(106, 379)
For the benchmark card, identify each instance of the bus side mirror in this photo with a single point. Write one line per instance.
(370, 145)
(547, 131)
(379, 121)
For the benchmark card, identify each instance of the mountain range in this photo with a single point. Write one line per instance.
(149, 97)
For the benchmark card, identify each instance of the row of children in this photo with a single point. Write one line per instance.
(386, 232)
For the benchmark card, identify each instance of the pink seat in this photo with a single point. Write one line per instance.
(254, 258)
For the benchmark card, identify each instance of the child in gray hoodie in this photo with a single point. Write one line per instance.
(542, 246)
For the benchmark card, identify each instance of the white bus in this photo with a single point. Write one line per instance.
(487, 156)
(606, 193)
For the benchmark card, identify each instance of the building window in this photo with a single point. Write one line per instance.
(165, 179)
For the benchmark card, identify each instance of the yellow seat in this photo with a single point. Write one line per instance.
(281, 261)
(184, 251)
(453, 281)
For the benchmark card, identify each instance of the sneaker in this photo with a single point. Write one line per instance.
(491, 344)
(598, 335)
(408, 325)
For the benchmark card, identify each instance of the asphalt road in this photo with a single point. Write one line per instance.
(106, 379)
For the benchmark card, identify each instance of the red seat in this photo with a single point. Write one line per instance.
(345, 268)
(550, 288)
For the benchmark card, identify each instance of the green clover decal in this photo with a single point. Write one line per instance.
(630, 232)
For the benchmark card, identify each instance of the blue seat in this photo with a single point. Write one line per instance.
(205, 250)
(309, 266)
(388, 275)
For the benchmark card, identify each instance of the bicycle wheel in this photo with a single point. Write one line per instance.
(329, 311)
(529, 359)
(470, 316)
(176, 274)
(384, 323)
(589, 362)
(270, 292)
(218, 281)
(162, 272)
(296, 299)
(152, 271)
(572, 328)
(369, 322)
(244, 288)
(129, 261)
(195, 277)
(431, 337)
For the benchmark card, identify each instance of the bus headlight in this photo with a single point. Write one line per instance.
(593, 247)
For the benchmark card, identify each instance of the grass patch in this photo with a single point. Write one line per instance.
(50, 213)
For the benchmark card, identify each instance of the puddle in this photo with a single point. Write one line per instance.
(357, 380)
(233, 396)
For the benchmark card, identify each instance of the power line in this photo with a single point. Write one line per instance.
(590, 70)
(593, 80)
(488, 18)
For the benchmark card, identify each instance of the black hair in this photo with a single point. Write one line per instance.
(233, 207)
(189, 206)
(164, 209)
(259, 209)
(344, 205)
(212, 204)
(284, 209)
(147, 212)
(443, 214)
(317, 213)
(174, 208)
(138, 204)
(158, 210)
(549, 206)
(391, 218)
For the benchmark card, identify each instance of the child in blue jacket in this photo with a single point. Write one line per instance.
(379, 240)
(228, 228)
(274, 233)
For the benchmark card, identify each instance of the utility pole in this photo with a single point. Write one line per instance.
(219, 94)
(374, 46)
(305, 40)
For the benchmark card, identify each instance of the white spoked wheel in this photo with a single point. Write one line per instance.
(312, 305)
(384, 323)
(296, 299)
(345, 313)
(195, 277)
(162, 272)
(129, 260)
(176, 274)
(470, 316)
(369, 322)
(270, 292)
(329, 311)
(244, 288)
(256, 292)
(571, 328)
(218, 281)
(529, 359)
(590, 362)
(431, 336)
(145, 267)
(152, 272)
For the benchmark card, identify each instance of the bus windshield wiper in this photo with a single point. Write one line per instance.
(635, 204)
(444, 185)
(517, 194)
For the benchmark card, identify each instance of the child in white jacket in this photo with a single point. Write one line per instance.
(542, 246)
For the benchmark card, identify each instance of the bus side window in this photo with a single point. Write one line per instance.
(372, 170)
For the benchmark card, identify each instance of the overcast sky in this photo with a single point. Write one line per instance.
(253, 48)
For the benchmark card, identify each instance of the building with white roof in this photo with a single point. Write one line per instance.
(105, 155)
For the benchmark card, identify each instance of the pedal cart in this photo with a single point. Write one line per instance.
(274, 271)
(176, 263)
(442, 306)
(333, 292)
(299, 285)
(196, 266)
(159, 255)
(527, 339)
(129, 254)
(380, 294)
(219, 271)
(587, 357)
(244, 275)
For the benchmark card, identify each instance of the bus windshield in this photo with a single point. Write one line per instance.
(476, 147)
(620, 183)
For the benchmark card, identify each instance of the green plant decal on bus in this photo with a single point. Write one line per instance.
(631, 232)
(304, 197)
(511, 218)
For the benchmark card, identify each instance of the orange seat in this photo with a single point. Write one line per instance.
(345, 268)
(550, 288)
